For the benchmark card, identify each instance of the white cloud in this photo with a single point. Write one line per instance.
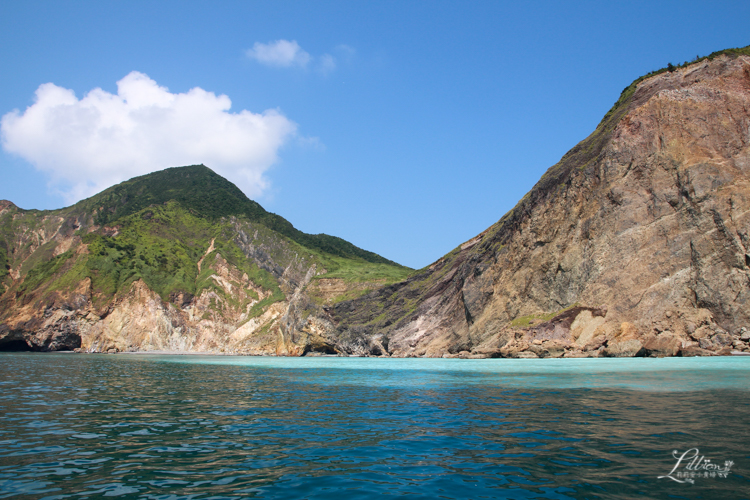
(281, 53)
(90, 144)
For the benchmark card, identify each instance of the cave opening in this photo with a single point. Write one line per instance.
(15, 346)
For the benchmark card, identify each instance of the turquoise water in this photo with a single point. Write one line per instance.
(199, 427)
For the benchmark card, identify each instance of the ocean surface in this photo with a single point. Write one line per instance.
(220, 427)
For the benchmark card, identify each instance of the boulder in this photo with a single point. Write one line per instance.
(548, 349)
(595, 343)
(702, 333)
(664, 344)
(706, 343)
(722, 339)
(622, 348)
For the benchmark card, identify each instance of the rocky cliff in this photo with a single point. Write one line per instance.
(635, 243)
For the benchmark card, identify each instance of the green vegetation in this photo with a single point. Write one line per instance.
(160, 245)
(4, 265)
(351, 295)
(43, 272)
(207, 195)
(6, 236)
(525, 321)
(355, 270)
(260, 307)
(157, 228)
(74, 272)
(42, 254)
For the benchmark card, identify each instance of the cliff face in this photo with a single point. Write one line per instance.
(636, 243)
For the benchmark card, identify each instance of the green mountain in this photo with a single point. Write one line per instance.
(186, 236)
(203, 193)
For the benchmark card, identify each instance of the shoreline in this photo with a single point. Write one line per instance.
(209, 353)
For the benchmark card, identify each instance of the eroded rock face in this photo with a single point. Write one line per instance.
(46, 316)
(644, 226)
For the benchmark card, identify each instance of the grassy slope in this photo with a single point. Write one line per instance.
(161, 243)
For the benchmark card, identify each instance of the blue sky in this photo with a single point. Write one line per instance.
(403, 127)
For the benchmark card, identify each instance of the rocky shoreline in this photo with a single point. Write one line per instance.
(689, 352)
(703, 341)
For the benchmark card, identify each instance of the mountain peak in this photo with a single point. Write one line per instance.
(196, 187)
(209, 195)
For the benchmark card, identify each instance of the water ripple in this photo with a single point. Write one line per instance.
(186, 427)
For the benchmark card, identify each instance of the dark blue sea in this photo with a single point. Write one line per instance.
(218, 427)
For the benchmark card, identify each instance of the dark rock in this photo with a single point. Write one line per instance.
(488, 353)
(722, 339)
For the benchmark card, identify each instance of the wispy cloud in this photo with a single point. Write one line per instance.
(327, 63)
(288, 54)
(345, 52)
(281, 53)
(91, 143)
